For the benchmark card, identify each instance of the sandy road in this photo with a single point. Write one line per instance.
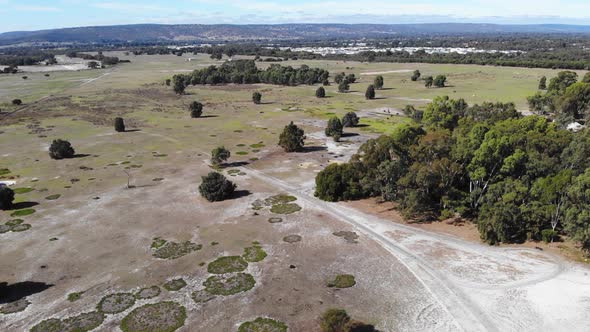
(466, 312)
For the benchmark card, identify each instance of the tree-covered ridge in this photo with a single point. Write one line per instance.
(246, 72)
(517, 177)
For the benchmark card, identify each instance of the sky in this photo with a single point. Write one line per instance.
(18, 15)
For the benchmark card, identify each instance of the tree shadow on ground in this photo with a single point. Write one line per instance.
(349, 134)
(132, 130)
(379, 98)
(307, 149)
(382, 89)
(208, 116)
(19, 290)
(362, 125)
(80, 155)
(23, 205)
(240, 193)
(236, 164)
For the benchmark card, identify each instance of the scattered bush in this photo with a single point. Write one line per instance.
(350, 119)
(17, 102)
(416, 75)
(334, 320)
(196, 109)
(119, 125)
(215, 187)
(291, 139)
(227, 264)
(378, 82)
(343, 86)
(334, 127)
(256, 97)
(219, 155)
(6, 197)
(320, 92)
(439, 81)
(549, 235)
(61, 149)
(342, 281)
(370, 93)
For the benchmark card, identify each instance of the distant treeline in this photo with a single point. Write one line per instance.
(105, 60)
(246, 72)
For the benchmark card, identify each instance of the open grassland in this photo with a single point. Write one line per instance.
(93, 236)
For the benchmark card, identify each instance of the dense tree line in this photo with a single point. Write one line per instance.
(517, 177)
(246, 72)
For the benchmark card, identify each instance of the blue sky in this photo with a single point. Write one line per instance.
(43, 14)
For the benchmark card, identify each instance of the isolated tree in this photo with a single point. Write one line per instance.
(119, 125)
(378, 82)
(562, 81)
(343, 86)
(543, 83)
(320, 92)
(326, 82)
(291, 139)
(61, 149)
(439, 81)
(196, 109)
(428, 81)
(219, 155)
(16, 102)
(6, 197)
(256, 97)
(93, 65)
(334, 320)
(179, 86)
(334, 128)
(350, 119)
(416, 75)
(215, 187)
(339, 78)
(351, 78)
(168, 81)
(370, 93)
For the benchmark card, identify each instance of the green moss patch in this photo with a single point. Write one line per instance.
(22, 190)
(87, 321)
(257, 146)
(279, 199)
(4, 171)
(202, 296)
(229, 284)
(242, 153)
(174, 285)
(75, 296)
(165, 316)
(342, 281)
(148, 293)
(14, 222)
(22, 213)
(254, 254)
(115, 303)
(261, 324)
(285, 208)
(173, 250)
(53, 197)
(227, 264)
(15, 306)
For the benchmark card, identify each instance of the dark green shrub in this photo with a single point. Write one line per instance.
(215, 187)
(16, 102)
(334, 127)
(416, 75)
(320, 92)
(61, 149)
(291, 139)
(343, 86)
(6, 197)
(549, 235)
(196, 109)
(370, 93)
(119, 125)
(378, 82)
(256, 97)
(219, 155)
(334, 320)
(350, 119)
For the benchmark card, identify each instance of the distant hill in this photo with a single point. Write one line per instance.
(227, 32)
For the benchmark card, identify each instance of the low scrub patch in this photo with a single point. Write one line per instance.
(148, 293)
(285, 208)
(201, 296)
(173, 250)
(53, 197)
(254, 254)
(342, 281)
(175, 285)
(228, 285)
(161, 317)
(261, 324)
(227, 264)
(115, 303)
